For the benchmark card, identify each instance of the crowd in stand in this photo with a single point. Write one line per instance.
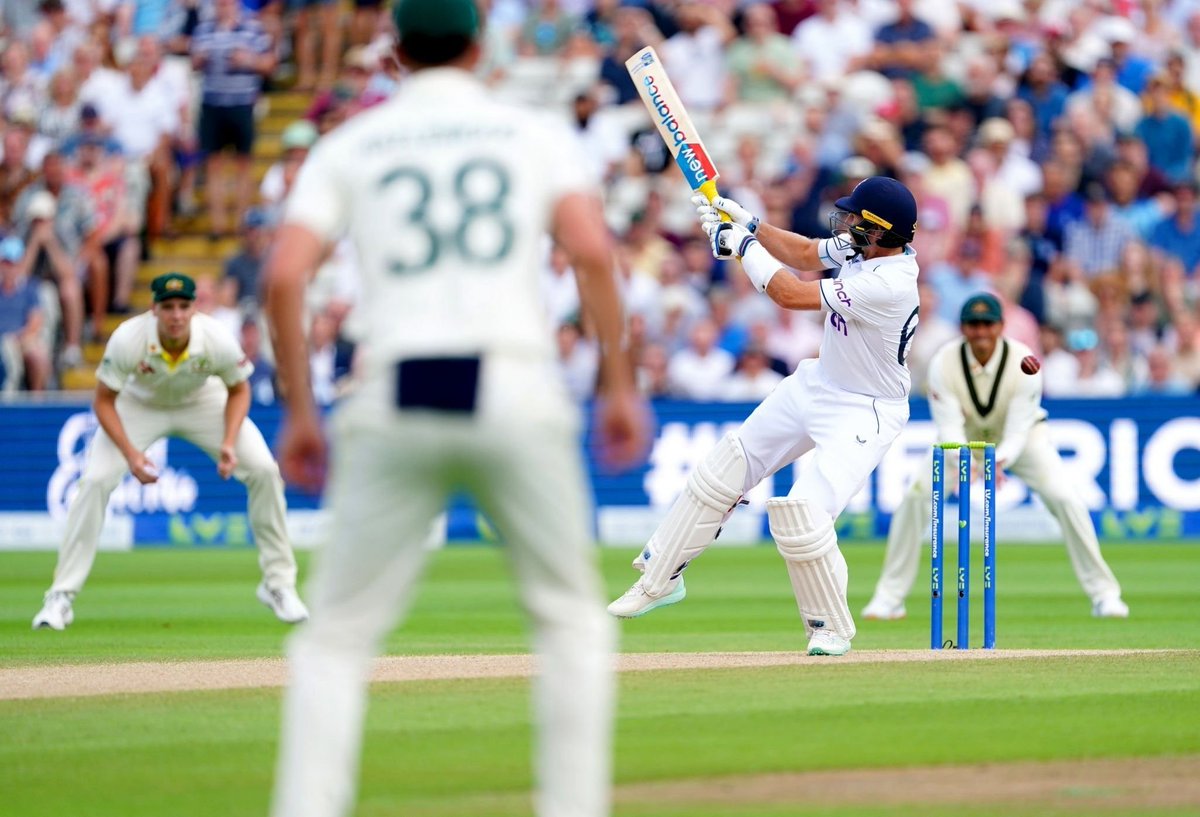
(1051, 146)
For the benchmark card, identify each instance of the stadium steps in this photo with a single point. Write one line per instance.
(191, 251)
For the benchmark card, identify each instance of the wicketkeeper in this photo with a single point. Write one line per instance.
(978, 391)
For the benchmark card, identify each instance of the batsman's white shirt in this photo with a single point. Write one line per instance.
(841, 412)
(134, 364)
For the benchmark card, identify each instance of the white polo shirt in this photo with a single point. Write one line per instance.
(872, 307)
(134, 361)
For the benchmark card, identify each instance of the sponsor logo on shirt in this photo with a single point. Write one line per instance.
(839, 289)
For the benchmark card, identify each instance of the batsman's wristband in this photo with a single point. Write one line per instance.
(823, 247)
(760, 265)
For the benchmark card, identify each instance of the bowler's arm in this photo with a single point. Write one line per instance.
(295, 256)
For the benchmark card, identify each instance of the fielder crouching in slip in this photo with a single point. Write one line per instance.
(173, 372)
(987, 387)
(838, 413)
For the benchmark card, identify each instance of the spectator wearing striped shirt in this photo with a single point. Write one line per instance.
(234, 54)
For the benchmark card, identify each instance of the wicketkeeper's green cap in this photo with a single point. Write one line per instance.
(436, 18)
(982, 308)
(173, 285)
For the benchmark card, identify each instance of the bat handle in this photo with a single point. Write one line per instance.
(709, 189)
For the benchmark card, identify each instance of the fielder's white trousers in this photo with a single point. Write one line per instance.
(201, 422)
(390, 477)
(1041, 468)
(838, 436)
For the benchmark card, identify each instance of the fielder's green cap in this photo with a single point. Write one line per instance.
(436, 18)
(173, 285)
(982, 308)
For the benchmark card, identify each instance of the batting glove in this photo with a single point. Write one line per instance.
(833, 252)
(711, 211)
(730, 239)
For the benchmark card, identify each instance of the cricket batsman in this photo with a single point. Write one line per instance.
(988, 387)
(174, 372)
(838, 414)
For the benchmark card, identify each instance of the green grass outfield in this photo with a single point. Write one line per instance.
(686, 739)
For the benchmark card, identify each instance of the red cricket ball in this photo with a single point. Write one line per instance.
(1030, 364)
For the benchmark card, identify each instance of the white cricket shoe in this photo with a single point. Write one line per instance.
(1111, 607)
(284, 603)
(827, 642)
(56, 612)
(884, 609)
(637, 602)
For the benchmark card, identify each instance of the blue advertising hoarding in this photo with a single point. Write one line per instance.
(1136, 462)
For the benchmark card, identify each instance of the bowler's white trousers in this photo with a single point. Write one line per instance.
(839, 437)
(201, 422)
(391, 476)
(1041, 468)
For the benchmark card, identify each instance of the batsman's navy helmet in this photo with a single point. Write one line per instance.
(884, 204)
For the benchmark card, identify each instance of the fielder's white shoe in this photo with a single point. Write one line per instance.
(56, 612)
(284, 603)
(883, 609)
(637, 602)
(827, 642)
(1111, 607)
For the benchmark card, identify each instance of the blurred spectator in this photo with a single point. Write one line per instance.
(315, 20)
(792, 336)
(934, 89)
(1179, 236)
(330, 357)
(21, 343)
(762, 64)
(1014, 169)
(365, 21)
(605, 144)
(1044, 91)
(948, 176)
(77, 233)
(295, 142)
(1187, 348)
(1069, 302)
(240, 281)
(234, 54)
(1132, 69)
(15, 176)
(1060, 368)
(695, 57)
(1145, 328)
(55, 269)
(262, 379)
(1115, 105)
(1094, 378)
(549, 30)
(834, 22)
(104, 177)
(560, 293)
(1182, 97)
(1166, 132)
(578, 361)
(60, 117)
(753, 380)
(699, 371)
(1160, 377)
(1040, 251)
(652, 375)
(96, 80)
(901, 46)
(1095, 242)
(1132, 150)
(20, 88)
(209, 302)
(1142, 215)
(633, 29)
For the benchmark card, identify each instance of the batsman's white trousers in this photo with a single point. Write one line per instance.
(1041, 468)
(201, 422)
(839, 437)
(391, 475)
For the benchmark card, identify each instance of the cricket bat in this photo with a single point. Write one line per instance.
(673, 122)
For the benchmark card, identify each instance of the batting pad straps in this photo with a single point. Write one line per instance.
(760, 265)
(710, 495)
(805, 537)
